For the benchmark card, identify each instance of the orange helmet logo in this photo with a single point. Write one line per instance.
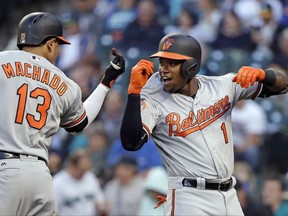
(167, 43)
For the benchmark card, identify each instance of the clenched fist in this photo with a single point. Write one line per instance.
(139, 75)
(247, 76)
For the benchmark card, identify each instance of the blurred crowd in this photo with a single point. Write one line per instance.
(93, 174)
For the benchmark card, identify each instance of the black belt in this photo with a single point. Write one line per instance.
(223, 186)
(9, 155)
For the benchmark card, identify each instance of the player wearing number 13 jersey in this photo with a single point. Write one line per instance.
(36, 99)
(189, 118)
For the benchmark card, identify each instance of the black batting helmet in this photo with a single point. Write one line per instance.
(35, 27)
(181, 47)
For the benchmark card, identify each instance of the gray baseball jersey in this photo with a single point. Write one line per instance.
(194, 136)
(39, 98)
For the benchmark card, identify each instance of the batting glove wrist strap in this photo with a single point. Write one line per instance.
(270, 77)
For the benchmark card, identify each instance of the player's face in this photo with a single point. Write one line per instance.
(170, 72)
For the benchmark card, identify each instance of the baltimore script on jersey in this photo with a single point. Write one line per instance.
(203, 118)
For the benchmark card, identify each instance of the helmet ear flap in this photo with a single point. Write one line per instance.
(190, 68)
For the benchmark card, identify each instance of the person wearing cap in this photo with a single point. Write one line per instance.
(36, 99)
(125, 190)
(188, 116)
(76, 188)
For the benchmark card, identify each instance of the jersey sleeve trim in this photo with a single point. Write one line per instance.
(257, 92)
(146, 129)
(82, 117)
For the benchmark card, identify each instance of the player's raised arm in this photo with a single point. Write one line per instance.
(94, 102)
(132, 134)
(275, 81)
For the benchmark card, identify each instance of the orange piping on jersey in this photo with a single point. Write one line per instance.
(146, 129)
(75, 122)
(257, 91)
(173, 202)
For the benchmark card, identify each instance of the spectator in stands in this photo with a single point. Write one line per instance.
(144, 31)
(141, 36)
(147, 157)
(273, 195)
(249, 122)
(186, 23)
(98, 146)
(111, 114)
(155, 185)
(280, 59)
(86, 10)
(263, 32)
(87, 73)
(55, 162)
(251, 206)
(82, 43)
(116, 22)
(125, 190)
(244, 173)
(209, 20)
(232, 34)
(77, 190)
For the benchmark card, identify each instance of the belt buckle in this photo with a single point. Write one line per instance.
(225, 186)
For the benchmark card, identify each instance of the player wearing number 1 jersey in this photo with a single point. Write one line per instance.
(36, 99)
(189, 118)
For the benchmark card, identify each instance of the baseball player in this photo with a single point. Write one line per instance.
(36, 98)
(189, 118)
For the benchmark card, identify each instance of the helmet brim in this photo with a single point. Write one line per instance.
(170, 55)
(63, 40)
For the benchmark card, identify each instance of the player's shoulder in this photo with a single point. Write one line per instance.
(217, 81)
(153, 84)
(227, 76)
(10, 53)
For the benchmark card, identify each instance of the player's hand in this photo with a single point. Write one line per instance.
(247, 76)
(116, 68)
(139, 75)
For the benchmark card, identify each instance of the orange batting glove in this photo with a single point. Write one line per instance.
(247, 76)
(139, 75)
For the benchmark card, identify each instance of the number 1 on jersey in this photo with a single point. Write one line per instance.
(224, 130)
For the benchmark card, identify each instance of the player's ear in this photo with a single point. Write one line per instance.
(51, 43)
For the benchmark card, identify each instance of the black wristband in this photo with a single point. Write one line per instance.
(270, 77)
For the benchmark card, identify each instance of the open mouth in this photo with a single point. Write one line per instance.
(166, 80)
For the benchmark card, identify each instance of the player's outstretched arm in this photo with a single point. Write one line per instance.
(132, 134)
(273, 79)
(95, 101)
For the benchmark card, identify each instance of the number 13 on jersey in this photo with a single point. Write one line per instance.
(25, 95)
